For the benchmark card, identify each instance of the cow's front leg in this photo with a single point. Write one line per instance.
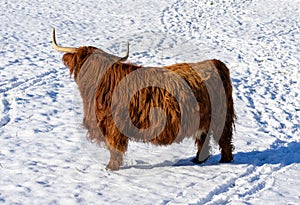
(116, 159)
(117, 145)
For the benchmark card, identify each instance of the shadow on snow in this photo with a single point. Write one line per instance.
(284, 155)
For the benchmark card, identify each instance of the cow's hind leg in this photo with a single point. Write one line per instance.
(203, 149)
(225, 145)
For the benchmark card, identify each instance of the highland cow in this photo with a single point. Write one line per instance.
(98, 75)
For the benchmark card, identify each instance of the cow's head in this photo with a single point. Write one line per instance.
(75, 57)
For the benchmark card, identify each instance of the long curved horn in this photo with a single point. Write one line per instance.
(127, 53)
(59, 48)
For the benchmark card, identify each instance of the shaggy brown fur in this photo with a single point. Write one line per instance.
(75, 61)
(98, 74)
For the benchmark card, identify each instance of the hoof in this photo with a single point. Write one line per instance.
(225, 160)
(113, 166)
(197, 161)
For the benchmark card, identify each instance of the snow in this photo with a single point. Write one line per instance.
(45, 157)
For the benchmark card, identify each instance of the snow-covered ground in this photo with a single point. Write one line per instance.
(44, 155)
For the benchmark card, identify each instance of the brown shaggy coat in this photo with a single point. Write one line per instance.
(98, 74)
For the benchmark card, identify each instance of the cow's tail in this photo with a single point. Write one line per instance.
(226, 138)
(225, 77)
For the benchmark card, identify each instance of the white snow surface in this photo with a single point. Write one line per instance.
(45, 157)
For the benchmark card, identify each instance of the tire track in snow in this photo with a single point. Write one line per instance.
(239, 188)
(218, 195)
(27, 83)
(18, 91)
(242, 188)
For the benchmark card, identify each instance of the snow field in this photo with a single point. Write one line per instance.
(45, 157)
